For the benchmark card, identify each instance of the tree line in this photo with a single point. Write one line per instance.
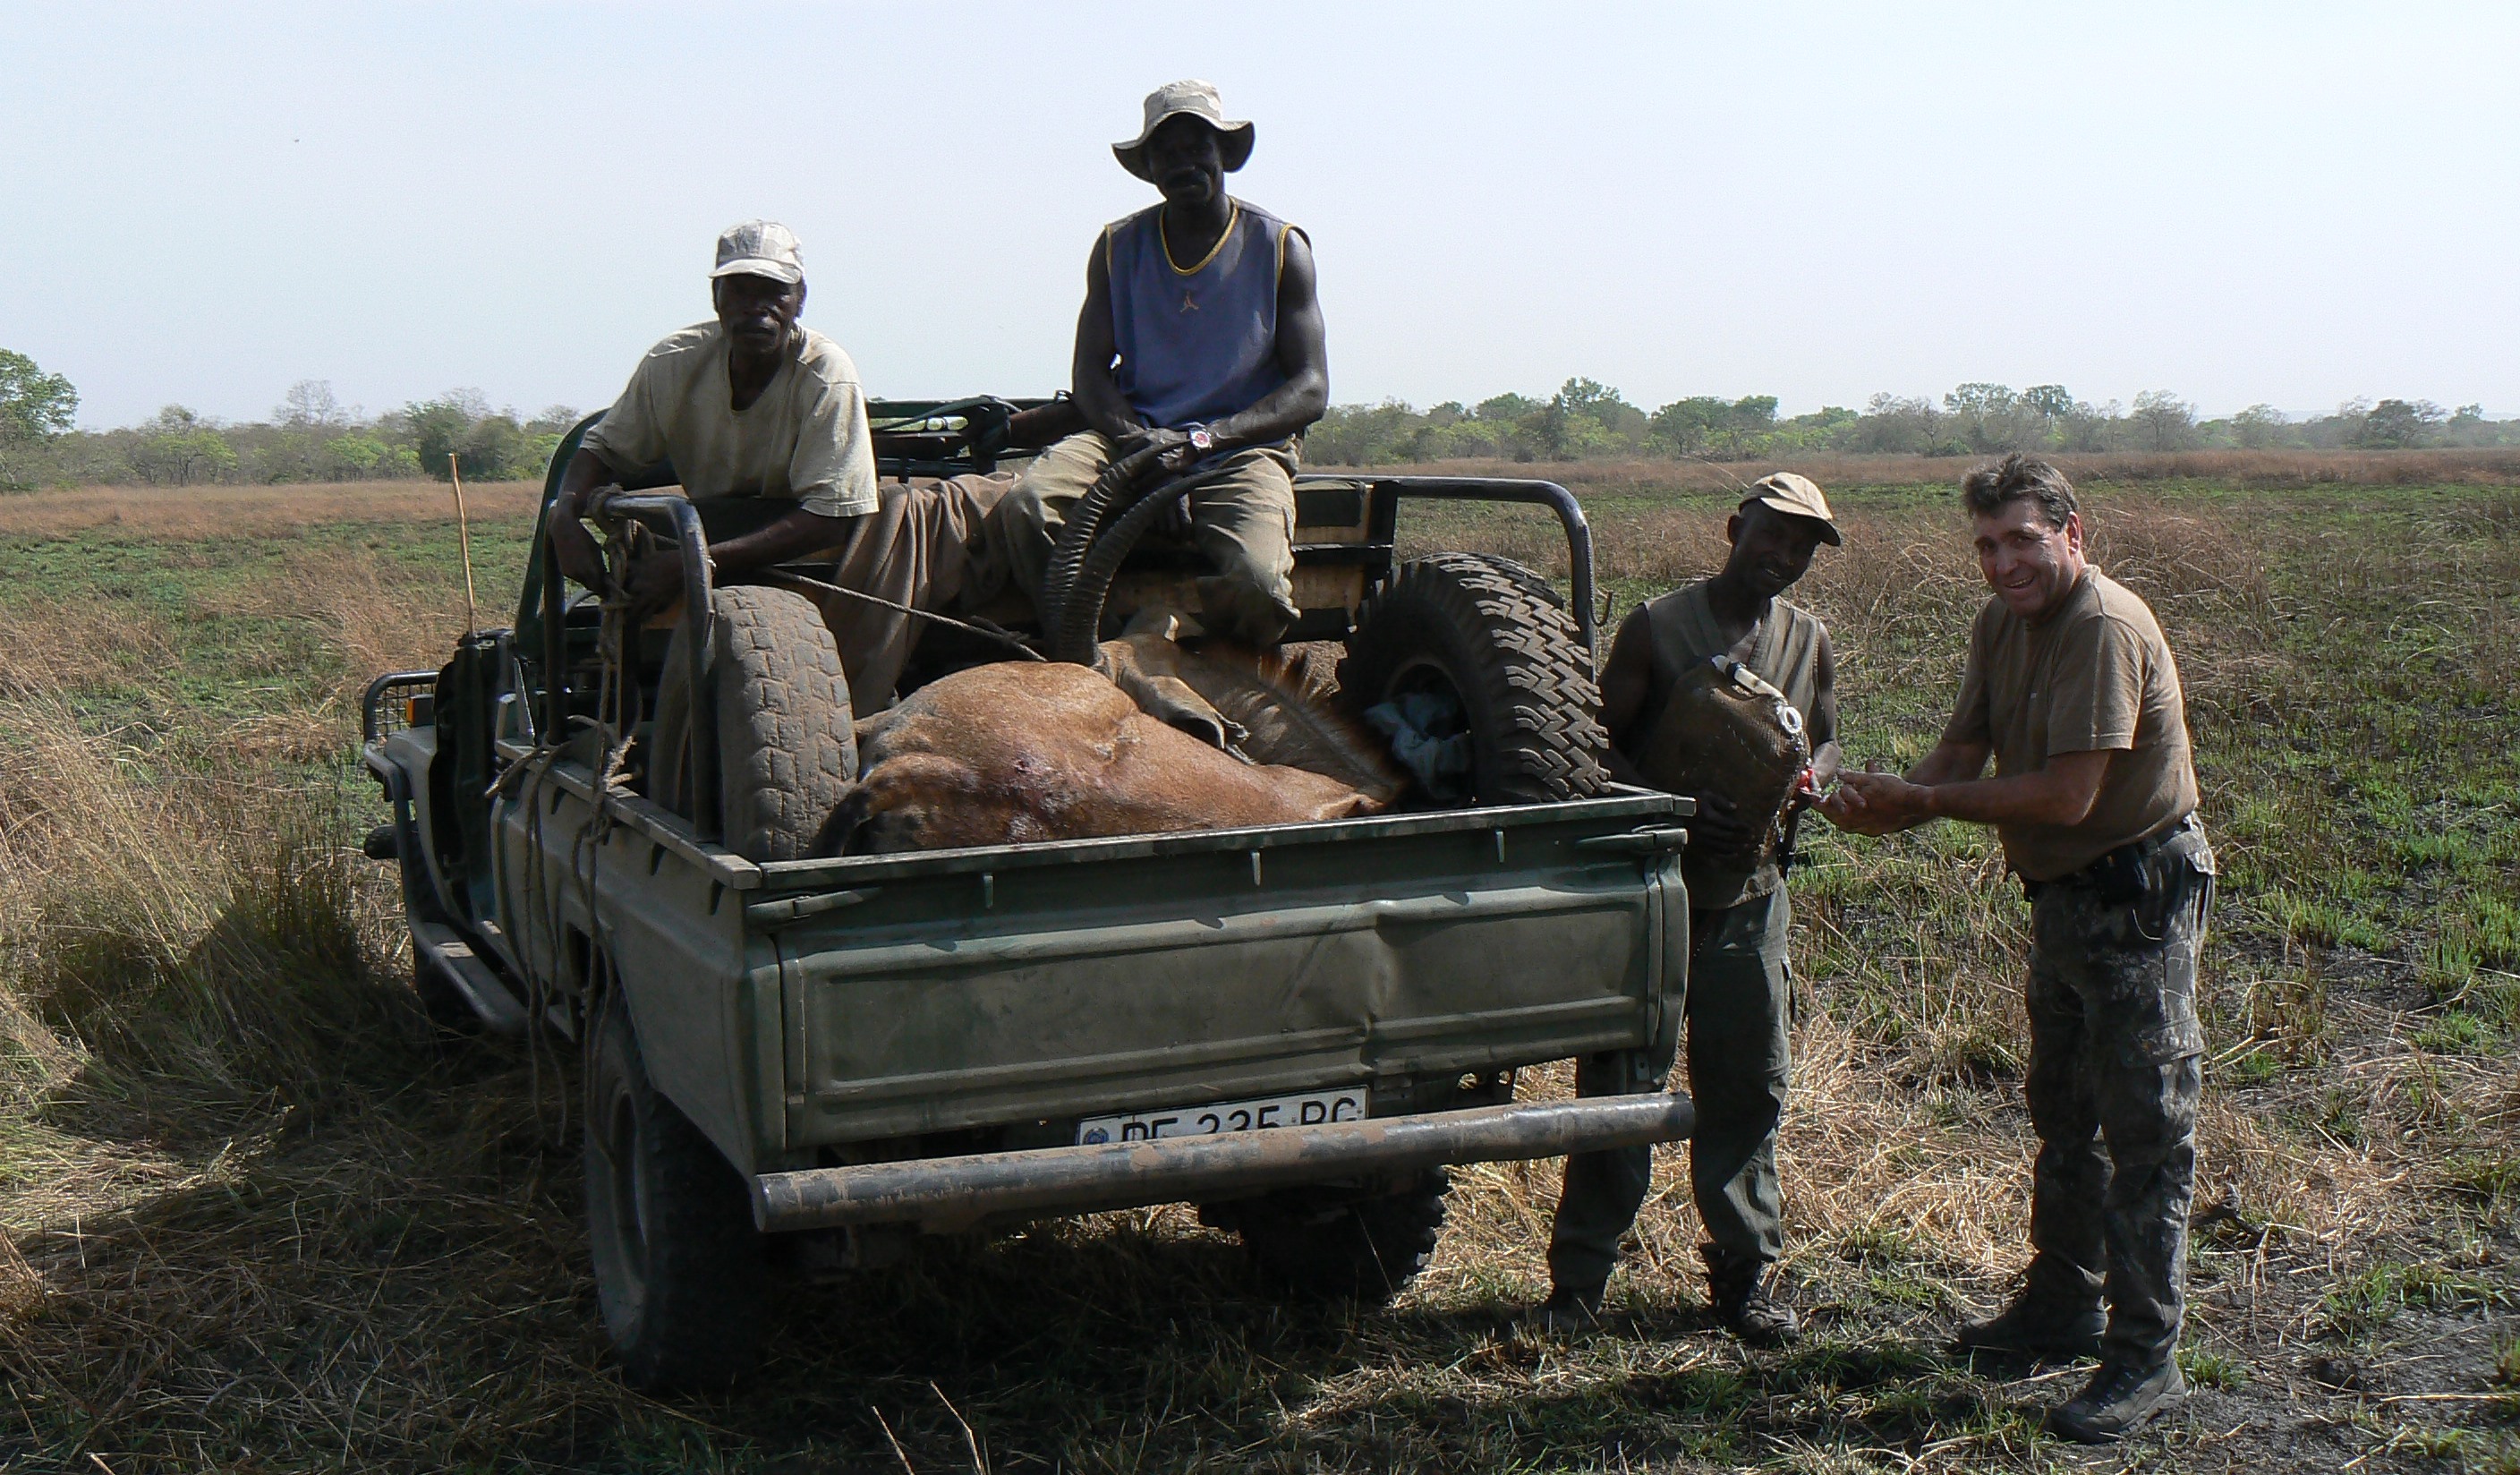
(1587, 419)
(310, 436)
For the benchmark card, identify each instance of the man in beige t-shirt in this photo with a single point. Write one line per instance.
(754, 405)
(2073, 691)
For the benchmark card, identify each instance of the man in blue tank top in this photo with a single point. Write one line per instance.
(1200, 338)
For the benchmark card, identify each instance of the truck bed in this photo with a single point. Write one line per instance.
(961, 987)
(828, 1010)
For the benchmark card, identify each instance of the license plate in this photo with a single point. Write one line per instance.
(1225, 1116)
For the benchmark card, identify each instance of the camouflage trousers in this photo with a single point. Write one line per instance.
(1739, 1060)
(2115, 1073)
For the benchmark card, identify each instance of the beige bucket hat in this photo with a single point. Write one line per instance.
(1795, 497)
(1201, 101)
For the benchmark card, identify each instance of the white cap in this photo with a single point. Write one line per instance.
(760, 248)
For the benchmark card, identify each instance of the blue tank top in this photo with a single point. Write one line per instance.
(1195, 343)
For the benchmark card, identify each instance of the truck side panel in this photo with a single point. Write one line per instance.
(946, 1001)
(698, 985)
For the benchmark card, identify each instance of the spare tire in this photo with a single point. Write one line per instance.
(1481, 649)
(1327, 1244)
(786, 751)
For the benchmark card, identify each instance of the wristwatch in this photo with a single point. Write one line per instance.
(1200, 440)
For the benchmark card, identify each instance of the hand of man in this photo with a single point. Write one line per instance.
(579, 559)
(1719, 828)
(654, 585)
(1164, 448)
(1874, 803)
(1181, 456)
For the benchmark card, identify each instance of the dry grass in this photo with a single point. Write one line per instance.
(231, 511)
(254, 1218)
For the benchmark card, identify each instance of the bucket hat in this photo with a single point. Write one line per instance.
(1198, 99)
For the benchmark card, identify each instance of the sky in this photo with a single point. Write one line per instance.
(2292, 204)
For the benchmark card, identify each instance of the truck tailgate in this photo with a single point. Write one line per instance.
(1038, 983)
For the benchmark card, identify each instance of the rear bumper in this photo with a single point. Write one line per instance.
(952, 1192)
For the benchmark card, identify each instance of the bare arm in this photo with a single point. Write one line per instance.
(1946, 786)
(1826, 757)
(587, 473)
(1303, 356)
(785, 541)
(2060, 794)
(1089, 374)
(657, 581)
(1625, 682)
(1950, 762)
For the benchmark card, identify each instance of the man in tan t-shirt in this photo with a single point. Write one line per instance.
(2071, 688)
(754, 405)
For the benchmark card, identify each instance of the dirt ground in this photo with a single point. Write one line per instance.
(259, 1217)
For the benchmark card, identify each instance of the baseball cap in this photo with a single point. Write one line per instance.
(1795, 497)
(760, 248)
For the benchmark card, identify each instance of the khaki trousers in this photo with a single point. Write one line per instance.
(1244, 522)
(1739, 1062)
(930, 544)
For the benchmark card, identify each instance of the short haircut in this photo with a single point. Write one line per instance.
(1988, 488)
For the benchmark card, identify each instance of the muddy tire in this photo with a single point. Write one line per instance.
(1323, 1244)
(785, 748)
(1491, 642)
(679, 1269)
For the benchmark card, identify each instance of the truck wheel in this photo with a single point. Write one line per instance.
(1323, 1245)
(1465, 645)
(677, 1265)
(786, 751)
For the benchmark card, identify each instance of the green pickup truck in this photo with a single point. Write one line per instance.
(799, 1064)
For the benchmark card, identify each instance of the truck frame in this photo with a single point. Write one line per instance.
(804, 1064)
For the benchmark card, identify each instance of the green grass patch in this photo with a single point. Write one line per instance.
(2456, 1032)
(2207, 1368)
(2373, 1297)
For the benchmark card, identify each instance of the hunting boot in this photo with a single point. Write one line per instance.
(2038, 1324)
(1569, 1310)
(2120, 1397)
(1737, 1292)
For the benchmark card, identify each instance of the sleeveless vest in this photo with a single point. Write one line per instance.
(1784, 653)
(1196, 341)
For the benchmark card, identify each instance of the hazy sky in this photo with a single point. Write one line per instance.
(2286, 203)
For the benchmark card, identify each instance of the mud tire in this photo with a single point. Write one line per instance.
(679, 1268)
(1321, 1244)
(786, 749)
(1496, 635)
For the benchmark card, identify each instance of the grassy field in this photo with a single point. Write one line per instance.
(256, 1219)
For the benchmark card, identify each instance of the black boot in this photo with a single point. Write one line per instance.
(1569, 1310)
(2120, 1397)
(2037, 1325)
(1737, 1292)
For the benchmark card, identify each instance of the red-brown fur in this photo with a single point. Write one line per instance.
(1018, 752)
